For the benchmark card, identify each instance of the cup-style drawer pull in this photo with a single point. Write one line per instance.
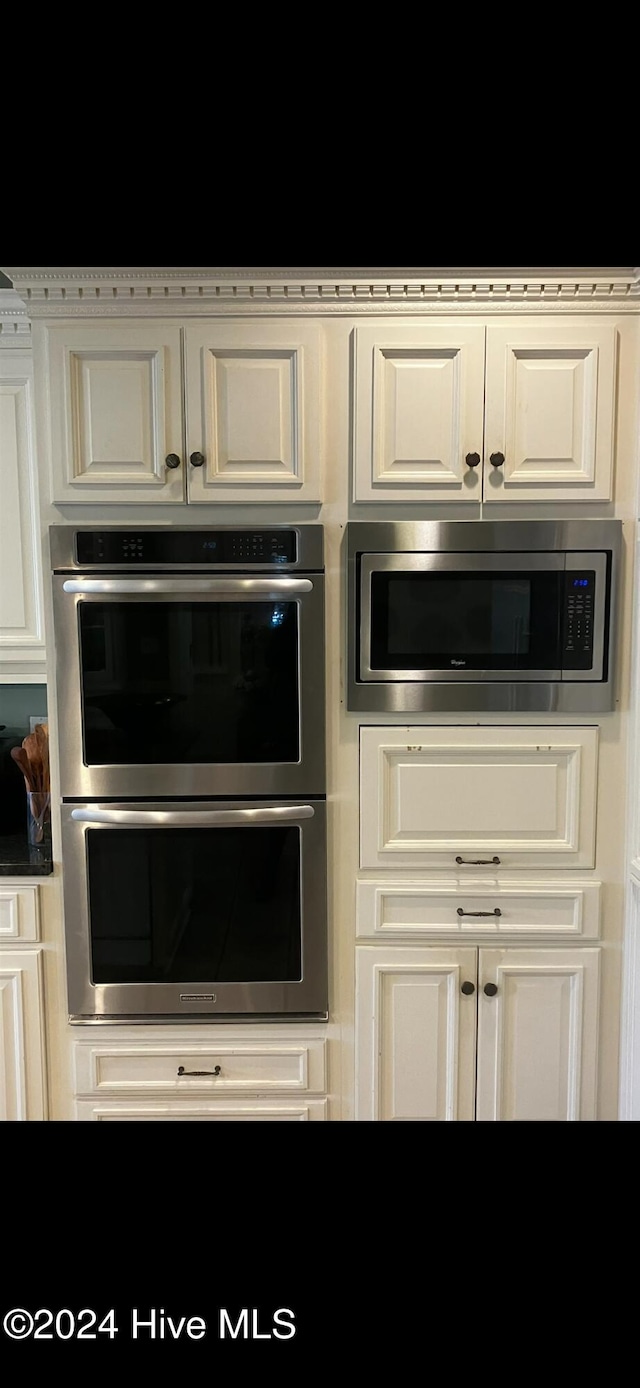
(496, 912)
(200, 1073)
(478, 862)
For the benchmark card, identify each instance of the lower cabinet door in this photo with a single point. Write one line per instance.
(498, 1035)
(416, 1034)
(23, 1093)
(537, 1035)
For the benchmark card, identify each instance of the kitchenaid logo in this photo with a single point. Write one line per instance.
(198, 997)
(458, 662)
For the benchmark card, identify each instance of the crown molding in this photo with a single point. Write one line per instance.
(156, 291)
(15, 324)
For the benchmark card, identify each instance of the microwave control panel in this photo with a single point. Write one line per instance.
(577, 640)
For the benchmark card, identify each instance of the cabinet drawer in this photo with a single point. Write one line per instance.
(256, 1066)
(19, 914)
(463, 798)
(385, 910)
(309, 1111)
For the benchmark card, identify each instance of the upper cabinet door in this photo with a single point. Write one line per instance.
(116, 413)
(22, 652)
(550, 412)
(254, 411)
(418, 412)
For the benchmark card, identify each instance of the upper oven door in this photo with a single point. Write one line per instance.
(190, 686)
(461, 617)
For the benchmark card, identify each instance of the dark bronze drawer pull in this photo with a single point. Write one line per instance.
(478, 862)
(200, 1073)
(496, 912)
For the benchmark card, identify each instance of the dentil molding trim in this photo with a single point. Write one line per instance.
(15, 326)
(108, 291)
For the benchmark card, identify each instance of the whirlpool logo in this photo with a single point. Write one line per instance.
(198, 997)
(458, 662)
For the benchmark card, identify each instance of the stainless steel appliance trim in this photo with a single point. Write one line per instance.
(527, 536)
(148, 587)
(242, 1002)
(161, 819)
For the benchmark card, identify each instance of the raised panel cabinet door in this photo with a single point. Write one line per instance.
(116, 412)
(22, 649)
(472, 798)
(22, 1057)
(254, 411)
(415, 1034)
(550, 412)
(418, 405)
(537, 1035)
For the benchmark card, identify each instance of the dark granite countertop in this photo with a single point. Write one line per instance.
(18, 859)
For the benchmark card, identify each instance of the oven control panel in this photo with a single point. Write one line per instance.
(213, 549)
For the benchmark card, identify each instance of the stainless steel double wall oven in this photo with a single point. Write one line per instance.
(190, 679)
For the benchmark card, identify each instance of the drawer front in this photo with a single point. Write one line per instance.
(460, 798)
(183, 1070)
(312, 1110)
(385, 910)
(19, 914)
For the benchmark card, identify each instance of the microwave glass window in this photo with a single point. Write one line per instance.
(185, 682)
(491, 621)
(195, 905)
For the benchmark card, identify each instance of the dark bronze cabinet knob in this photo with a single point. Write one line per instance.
(468, 989)
(472, 459)
(496, 459)
(491, 989)
(172, 460)
(197, 459)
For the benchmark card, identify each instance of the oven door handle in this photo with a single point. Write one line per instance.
(170, 819)
(278, 587)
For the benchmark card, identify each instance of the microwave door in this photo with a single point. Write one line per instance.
(461, 617)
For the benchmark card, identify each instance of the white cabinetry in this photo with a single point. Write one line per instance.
(22, 648)
(263, 1077)
(485, 1033)
(522, 412)
(450, 797)
(23, 1094)
(427, 1019)
(160, 413)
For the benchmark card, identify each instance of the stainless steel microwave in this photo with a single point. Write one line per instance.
(482, 615)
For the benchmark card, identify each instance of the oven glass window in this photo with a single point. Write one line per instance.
(489, 621)
(184, 682)
(195, 905)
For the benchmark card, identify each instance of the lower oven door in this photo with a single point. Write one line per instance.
(195, 910)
